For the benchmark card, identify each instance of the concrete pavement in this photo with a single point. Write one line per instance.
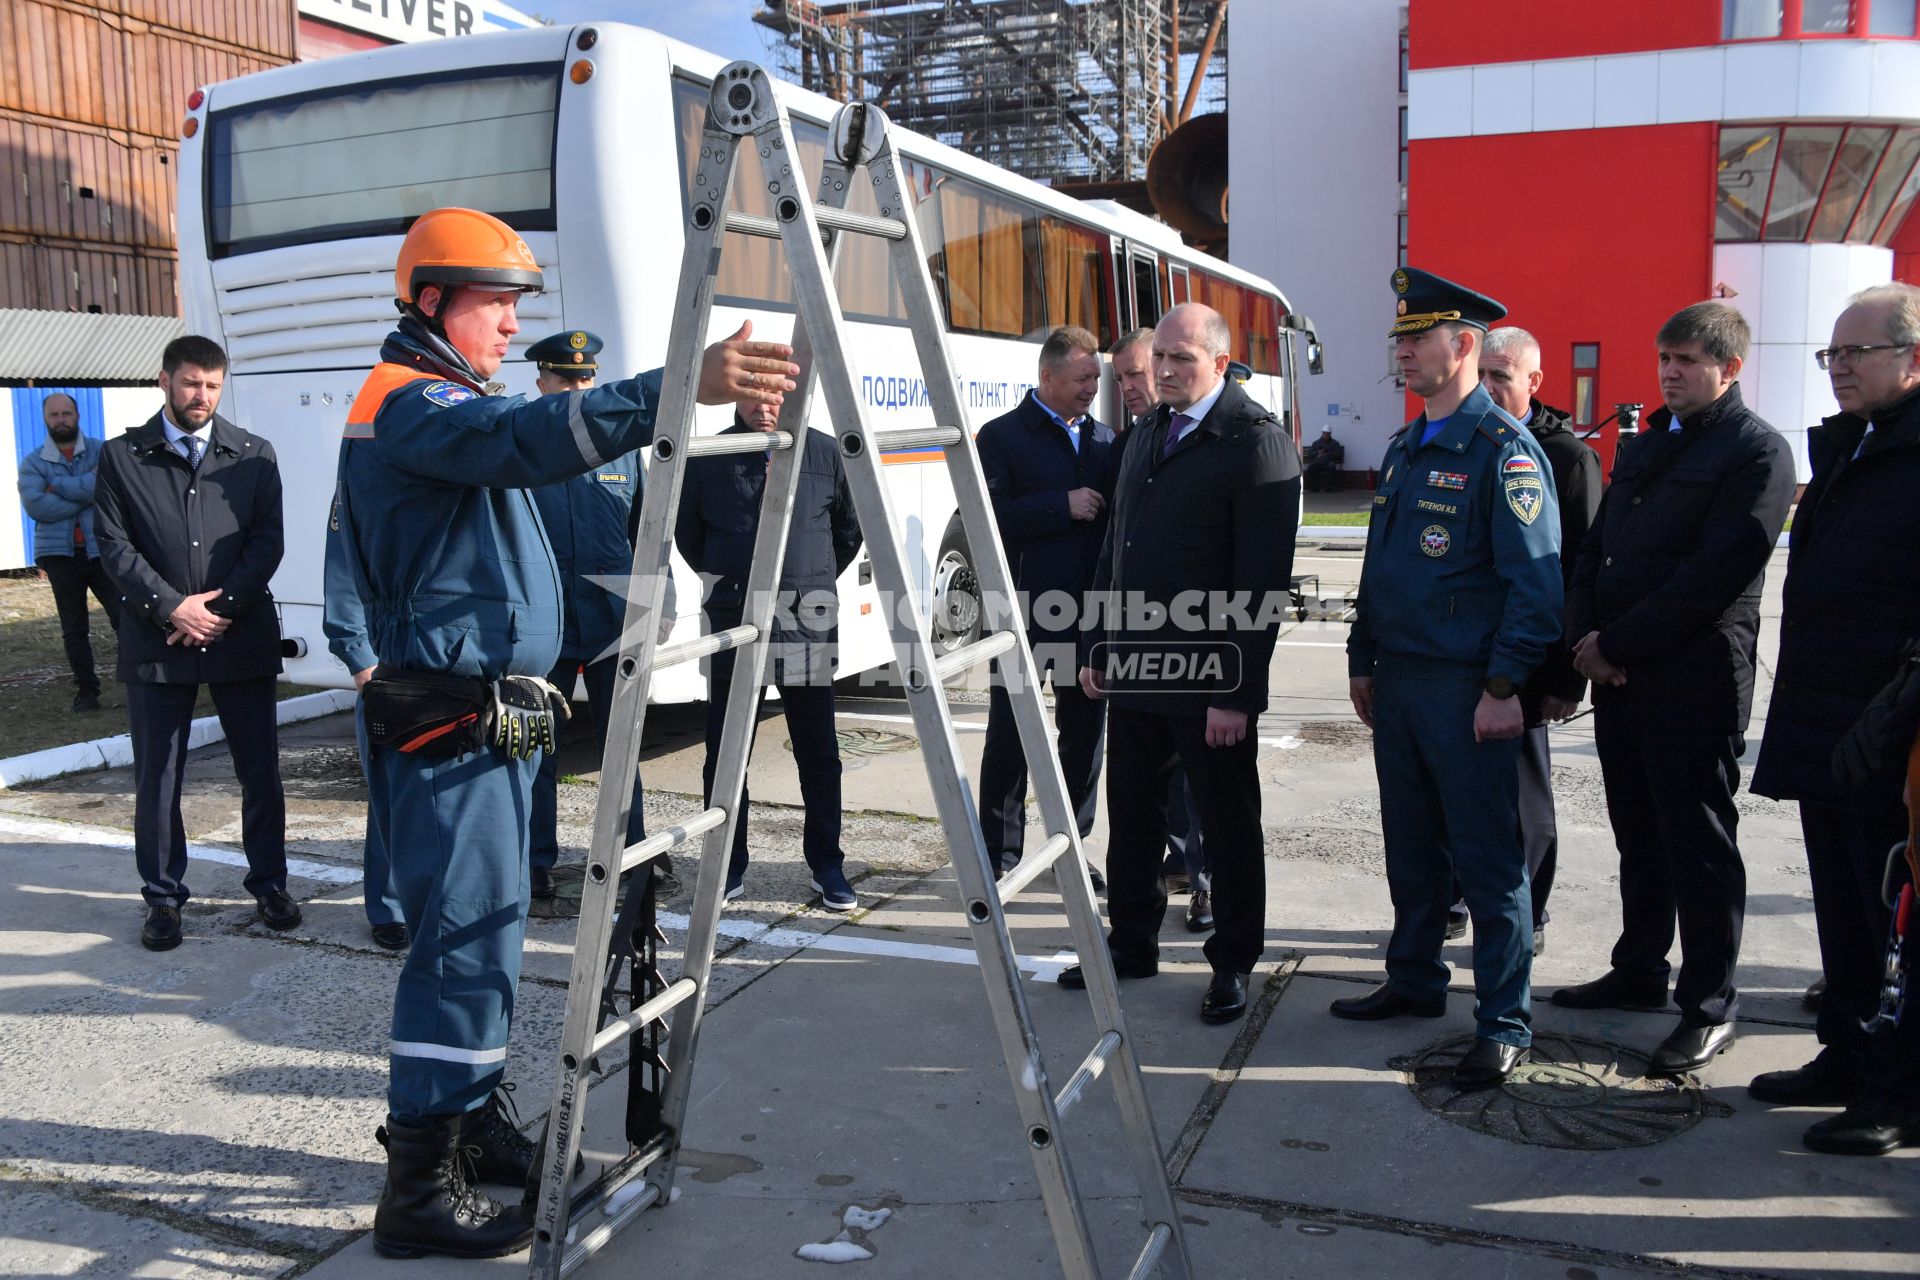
(209, 1111)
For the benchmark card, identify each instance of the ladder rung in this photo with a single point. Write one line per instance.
(945, 669)
(670, 839)
(1089, 1071)
(826, 216)
(631, 1022)
(739, 442)
(916, 438)
(591, 1243)
(719, 642)
(1150, 1255)
(1032, 867)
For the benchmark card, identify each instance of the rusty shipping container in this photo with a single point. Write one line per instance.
(92, 96)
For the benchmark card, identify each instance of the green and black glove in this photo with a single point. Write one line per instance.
(526, 713)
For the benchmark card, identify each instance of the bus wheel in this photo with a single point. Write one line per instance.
(956, 595)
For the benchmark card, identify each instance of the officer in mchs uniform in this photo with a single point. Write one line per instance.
(1459, 600)
(449, 562)
(590, 519)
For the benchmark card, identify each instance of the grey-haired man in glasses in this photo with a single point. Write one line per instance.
(1849, 621)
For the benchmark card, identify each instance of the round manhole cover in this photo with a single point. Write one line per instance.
(1575, 1093)
(871, 742)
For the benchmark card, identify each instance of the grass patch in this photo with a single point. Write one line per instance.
(1357, 519)
(36, 687)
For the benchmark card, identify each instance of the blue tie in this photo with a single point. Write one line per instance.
(1175, 429)
(194, 447)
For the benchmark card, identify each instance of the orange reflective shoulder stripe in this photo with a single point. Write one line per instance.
(374, 392)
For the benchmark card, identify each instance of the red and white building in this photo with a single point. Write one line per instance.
(1595, 166)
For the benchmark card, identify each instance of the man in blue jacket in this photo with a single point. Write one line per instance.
(591, 520)
(1049, 470)
(719, 519)
(461, 599)
(1459, 601)
(56, 489)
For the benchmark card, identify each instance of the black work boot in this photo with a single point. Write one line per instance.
(428, 1205)
(501, 1153)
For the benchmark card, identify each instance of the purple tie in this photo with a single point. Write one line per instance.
(1175, 429)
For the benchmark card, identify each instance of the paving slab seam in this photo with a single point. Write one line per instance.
(1438, 1233)
(1194, 1132)
(128, 1206)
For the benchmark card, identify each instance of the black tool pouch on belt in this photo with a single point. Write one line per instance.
(426, 713)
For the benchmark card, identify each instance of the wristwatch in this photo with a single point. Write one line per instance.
(1500, 687)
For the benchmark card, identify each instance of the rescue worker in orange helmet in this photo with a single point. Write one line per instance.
(450, 582)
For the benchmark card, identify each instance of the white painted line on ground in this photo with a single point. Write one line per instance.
(106, 838)
(971, 726)
(116, 752)
(805, 939)
(1313, 644)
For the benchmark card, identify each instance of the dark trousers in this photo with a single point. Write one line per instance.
(816, 755)
(1670, 799)
(1080, 724)
(1449, 813)
(71, 577)
(1186, 838)
(159, 716)
(1144, 750)
(1539, 829)
(1846, 857)
(545, 837)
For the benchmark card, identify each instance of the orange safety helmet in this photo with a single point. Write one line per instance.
(463, 246)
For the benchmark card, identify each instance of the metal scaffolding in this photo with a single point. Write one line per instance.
(1066, 91)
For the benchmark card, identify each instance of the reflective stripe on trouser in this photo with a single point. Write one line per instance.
(457, 836)
(1448, 810)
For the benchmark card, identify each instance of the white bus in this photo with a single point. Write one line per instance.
(297, 184)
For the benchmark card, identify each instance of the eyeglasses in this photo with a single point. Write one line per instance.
(1850, 355)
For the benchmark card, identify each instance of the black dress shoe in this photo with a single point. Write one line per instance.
(1614, 990)
(1830, 1080)
(1487, 1064)
(1457, 920)
(86, 700)
(1870, 1127)
(391, 937)
(277, 909)
(161, 932)
(1384, 1002)
(540, 883)
(1226, 998)
(1074, 980)
(1099, 881)
(1200, 912)
(1690, 1048)
(1815, 993)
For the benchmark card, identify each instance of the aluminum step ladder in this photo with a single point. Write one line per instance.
(570, 1226)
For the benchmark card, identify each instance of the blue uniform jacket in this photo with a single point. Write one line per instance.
(591, 520)
(1463, 550)
(448, 564)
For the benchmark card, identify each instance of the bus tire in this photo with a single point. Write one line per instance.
(957, 613)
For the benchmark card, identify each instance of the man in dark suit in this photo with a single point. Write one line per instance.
(1048, 466)
(718, 520)
(1849, 620)
(187, 510)
(1664, 615)
(1204, 516)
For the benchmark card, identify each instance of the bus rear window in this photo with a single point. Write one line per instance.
(367, 161)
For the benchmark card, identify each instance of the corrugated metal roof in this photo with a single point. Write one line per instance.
(82, 347)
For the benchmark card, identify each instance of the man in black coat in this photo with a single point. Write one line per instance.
(187, 509)
(718, 520)
(1663, 614)
(1510, 371)
(1048, 466)
(1191, 587)
(1851, 611)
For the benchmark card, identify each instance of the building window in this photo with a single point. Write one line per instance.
(1586, 381)
(1826, 17)
(1746, 170)
(1891, 18)
(1806, 154)
(1885, 186)
(1752, 19)
(1853, 168)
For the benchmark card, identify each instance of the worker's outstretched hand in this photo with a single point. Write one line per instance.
(737, 369)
